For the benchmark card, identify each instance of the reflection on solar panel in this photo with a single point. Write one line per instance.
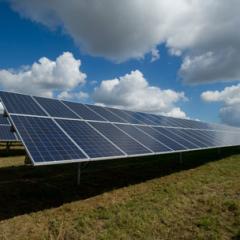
(55, 108)
(6, 135)
(45, 141)
(22, 104)
(55, 131)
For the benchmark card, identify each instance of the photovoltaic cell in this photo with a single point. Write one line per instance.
(93, 143)
(199, 134)
(191, 138)
(6, 135)
(84, 112)
(143, 138)
(162, 138)
(22, 104)
(45, 141)
(128, 118)
(171, 133)
(122, 140)
(56, 108)
(106, 114)
(141, 117)
(159, 120)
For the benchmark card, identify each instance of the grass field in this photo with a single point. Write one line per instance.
(152, 198)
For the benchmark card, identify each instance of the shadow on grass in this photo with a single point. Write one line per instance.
(25, 189)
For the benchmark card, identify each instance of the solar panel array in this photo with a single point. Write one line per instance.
(6, 133)
(55, 131)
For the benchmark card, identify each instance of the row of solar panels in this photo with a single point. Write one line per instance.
(37, 106)
(53, 140)
(58, 132)
(6, 135)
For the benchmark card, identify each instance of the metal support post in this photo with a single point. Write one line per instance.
(7, 146)
(219, 152)
(180, 158)
(78, 174)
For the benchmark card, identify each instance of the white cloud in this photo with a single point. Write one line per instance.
(155, 55)
(81, 96)
(230, 97)
(133, 92)
(45, 76)
(204, 32)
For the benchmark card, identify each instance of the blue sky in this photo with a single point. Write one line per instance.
(24, 40)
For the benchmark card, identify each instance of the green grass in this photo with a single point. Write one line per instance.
(134, 199)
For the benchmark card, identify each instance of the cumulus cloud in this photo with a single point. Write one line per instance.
(45, 77)
(230, 97)
(133, 92)
(66, 95)
(155, 54)
(204, 33)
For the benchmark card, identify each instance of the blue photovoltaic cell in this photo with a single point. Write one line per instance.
(22, 104)
(45, 141)
(122, 140)
(84, 112)
(191, 138)
(163, 139)
(4, 120)
(56, 108)
(198, 134)
(128, 118)
(143, 138)
(106, 114)
(90, 141)
(159, 120)
(211, 136)
(171, 133)
(6, 134)
(141, 117)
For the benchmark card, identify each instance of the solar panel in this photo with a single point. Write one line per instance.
(56, 108)
(111, 117)
(4, 120)
(45, 141)
(180, 137)
(159, 120)
(145, 139)
(128, 118)
(6, 135)
(21, 104)
(83, 111)
(209, 137)
(92, 142)
(139, 118)
(169, 142)
(121, 139)
(191, 138)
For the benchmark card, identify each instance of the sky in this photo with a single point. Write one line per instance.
(177, 59)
